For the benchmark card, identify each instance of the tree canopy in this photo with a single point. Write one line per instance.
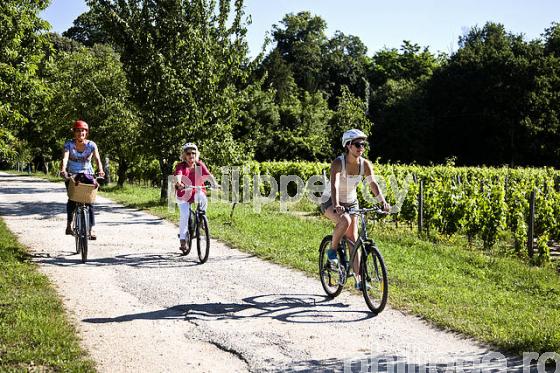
(152, 75)
(22, 45)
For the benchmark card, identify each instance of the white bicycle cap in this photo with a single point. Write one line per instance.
(352, 134)
(190, 145)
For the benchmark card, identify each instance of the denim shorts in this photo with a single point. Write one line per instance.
(348, 205)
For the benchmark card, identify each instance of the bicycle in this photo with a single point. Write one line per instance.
(372, 271)
(198, 229)
(83, 194)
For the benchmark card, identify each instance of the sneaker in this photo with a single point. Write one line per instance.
(333, 258)
(92, 235)
(358, 286)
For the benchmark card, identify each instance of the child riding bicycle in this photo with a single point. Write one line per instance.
(347, 171)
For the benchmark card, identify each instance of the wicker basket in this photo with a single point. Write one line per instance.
(83, 193)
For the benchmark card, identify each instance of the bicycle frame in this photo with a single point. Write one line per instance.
(371, 276)
(360, 242)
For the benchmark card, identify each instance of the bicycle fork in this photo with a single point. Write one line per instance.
(368, 248)
(82, 222)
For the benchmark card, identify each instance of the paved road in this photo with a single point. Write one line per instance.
(139, 306)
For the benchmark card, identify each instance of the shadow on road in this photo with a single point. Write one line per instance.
(172, 259)
(45, 210)
(291, 308)
(166, 260)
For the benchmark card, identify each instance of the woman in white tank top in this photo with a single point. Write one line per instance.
(347, 171)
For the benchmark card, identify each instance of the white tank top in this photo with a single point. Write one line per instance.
(347, 183)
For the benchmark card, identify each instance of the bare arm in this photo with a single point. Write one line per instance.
(336, 168)
(65, 156)
(98, 161)
(374, 186)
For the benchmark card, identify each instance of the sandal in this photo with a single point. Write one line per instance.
(92, 235)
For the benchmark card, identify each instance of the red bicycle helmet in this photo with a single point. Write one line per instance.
(80, 124)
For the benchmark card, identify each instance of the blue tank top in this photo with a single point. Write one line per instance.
(80, 162)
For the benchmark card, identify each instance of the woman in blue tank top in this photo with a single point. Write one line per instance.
(78, 153)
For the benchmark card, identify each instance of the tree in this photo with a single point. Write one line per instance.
(300, 43)
(90, 84)
(88, 30)
(350, 113)
(186, 64)
(62, 44)
(258, 116)
(345, 63)
(542, 119)
(21, 52)
(552, 40)
(397, 104)
(479, 99)
(411, 63)
(403, 130)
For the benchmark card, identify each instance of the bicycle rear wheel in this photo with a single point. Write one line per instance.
(330, 277)
(83, 234)
(202, 238)
(374, 283)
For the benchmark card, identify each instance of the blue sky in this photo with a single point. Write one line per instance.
(436, 24)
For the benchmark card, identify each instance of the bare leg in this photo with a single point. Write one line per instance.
(342, 223)
(352, 235)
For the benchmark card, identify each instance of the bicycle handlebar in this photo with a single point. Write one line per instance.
(67, 177)
(377, 210)
(199, 187)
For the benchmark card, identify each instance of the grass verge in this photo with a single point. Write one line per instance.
(34, 334)
(499, 300)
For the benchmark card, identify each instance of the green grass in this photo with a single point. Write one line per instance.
(499, 300)
(34, 333)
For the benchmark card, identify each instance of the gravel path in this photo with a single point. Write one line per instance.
(139, 306)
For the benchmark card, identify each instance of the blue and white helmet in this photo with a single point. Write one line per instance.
(352, 134)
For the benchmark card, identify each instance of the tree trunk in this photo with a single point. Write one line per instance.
(121, 172)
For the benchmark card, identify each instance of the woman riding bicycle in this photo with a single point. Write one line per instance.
(347, 171)
(76, 162)
(191, 171)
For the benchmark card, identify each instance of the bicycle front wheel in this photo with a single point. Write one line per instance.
(76, 230)
(202, 239)
(330, 277)
(374, 283)
(83, 234)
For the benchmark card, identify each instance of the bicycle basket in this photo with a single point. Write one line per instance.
(82, 193)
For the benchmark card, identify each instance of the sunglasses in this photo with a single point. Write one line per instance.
(190, 153)
(361, 144)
